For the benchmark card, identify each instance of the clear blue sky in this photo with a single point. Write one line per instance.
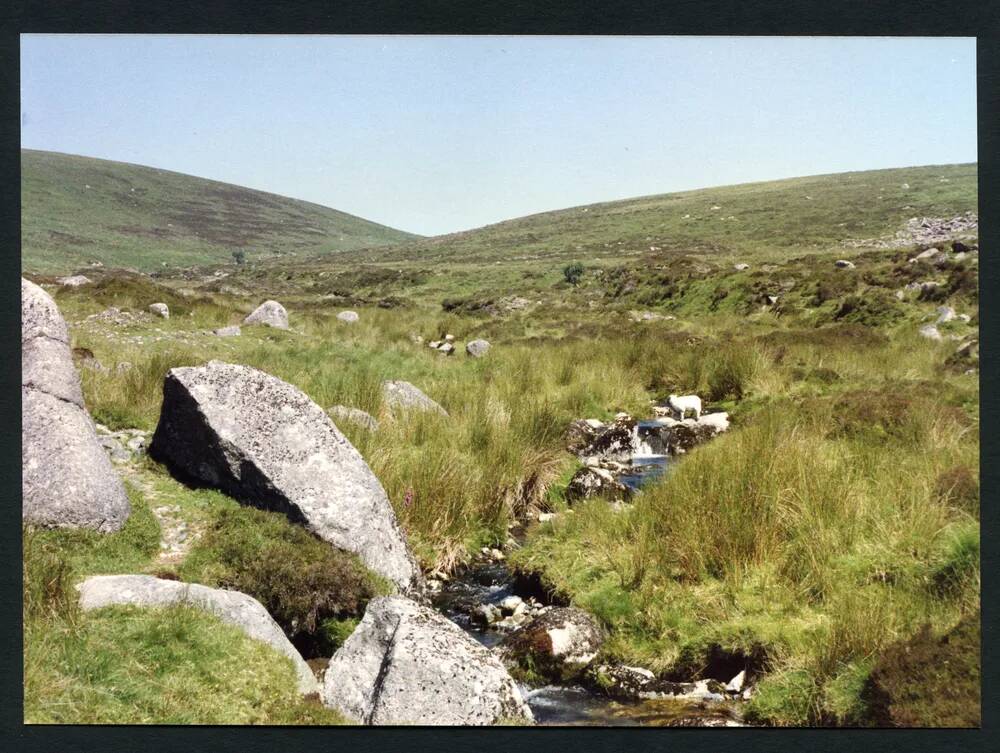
(436, 134)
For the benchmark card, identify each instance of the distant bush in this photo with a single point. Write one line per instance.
(301, 580)
(239, 256)
(927, 681)
(572, 273)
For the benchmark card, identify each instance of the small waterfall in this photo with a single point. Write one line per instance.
(641, 437)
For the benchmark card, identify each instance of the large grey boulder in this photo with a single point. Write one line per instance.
(232, 607)
(400, 394)
(267, 444)
(558, 644)
(67, 481)
(407, 664)
(270, 313)
(477, 348)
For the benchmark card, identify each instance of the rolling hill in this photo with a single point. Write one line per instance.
(774, 218)
(78, 210)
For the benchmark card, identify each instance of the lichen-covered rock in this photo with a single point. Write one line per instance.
(67, 481)
(160, 309)
(558, 645)
(350, 317)
(232, 607)
(477, 348)
(264, 442)
(354, 415)
(407, 664)
(593, 481)
(615, 441)
(233, 331)
(403, 395)
(269, 313)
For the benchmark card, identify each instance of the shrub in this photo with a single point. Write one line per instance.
(573, 272)
(874, 309)
(300, 579)
(958, 487)
(927, 681)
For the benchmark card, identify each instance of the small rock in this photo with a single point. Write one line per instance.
(354, 415)
(446, 348)
(400, 394)
(348, 316)
(477, 348)
(510, 604)
(843, 264)
(736, 684)
(74, 281)
(233, 331)
(930, 332)
(449, 338)
(945, 314)
(741, 267)
(159, 309)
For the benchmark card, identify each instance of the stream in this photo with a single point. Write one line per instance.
(490, 582)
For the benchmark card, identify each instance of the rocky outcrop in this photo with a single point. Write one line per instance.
(232, 607)
(160, 309)
(580, 433)
(557, 645)
(269, 313)
(668, 436)
(350, 317)
(354, 415)
(403, 395)
(406, 664)
(67, 481)
(477, 348)
(267, 444)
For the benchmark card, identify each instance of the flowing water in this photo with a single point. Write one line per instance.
(492, 582)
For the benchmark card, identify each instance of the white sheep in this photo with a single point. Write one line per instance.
(683, 403)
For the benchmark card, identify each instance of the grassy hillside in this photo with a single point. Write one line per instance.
(773, 219)
(76, 210)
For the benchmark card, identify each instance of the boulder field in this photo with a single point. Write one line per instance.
(67, 479)
(265, 443)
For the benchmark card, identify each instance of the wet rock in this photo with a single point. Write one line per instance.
(159, 309)
(67, 481)
(406, 664)
(580, 433)
(477, 348)
(558, 645)
(232, 607)
(350, 317)
(233, 331)
(74, 281)
(354, 415)
(267, 444)
(593, 481)
(669, 436)
(269, 313)
(405, 396)
(613, 442)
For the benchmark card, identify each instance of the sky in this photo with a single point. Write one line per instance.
(438, 134)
